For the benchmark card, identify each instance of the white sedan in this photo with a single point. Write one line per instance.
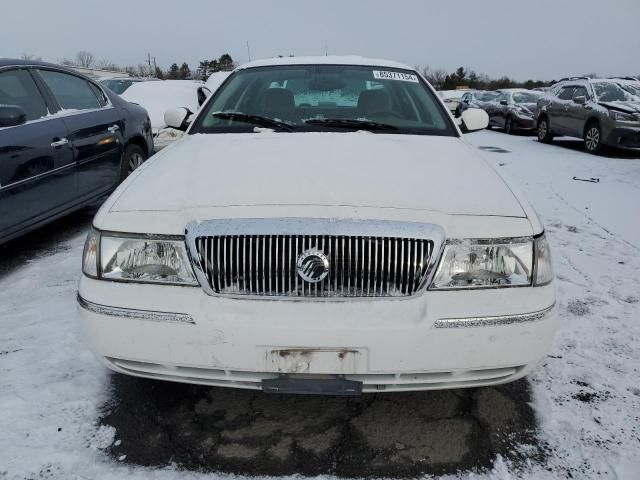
(322, 227)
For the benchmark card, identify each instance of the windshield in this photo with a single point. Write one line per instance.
(117, 86)
(325, 98)
(612, 92)
(526, 97)
(632, 88)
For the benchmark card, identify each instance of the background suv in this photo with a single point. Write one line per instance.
(600, 111)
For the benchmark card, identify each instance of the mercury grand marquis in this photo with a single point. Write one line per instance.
(322, 227)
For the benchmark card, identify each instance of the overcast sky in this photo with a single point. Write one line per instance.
(540, 39)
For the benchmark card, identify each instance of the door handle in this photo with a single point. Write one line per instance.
(59, 143)
(113, 128)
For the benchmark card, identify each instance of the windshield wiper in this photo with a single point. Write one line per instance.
(351, 124)
(258, 120)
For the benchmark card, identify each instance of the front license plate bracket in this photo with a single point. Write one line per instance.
(286, 384)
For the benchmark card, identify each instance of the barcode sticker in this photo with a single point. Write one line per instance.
(387, 75)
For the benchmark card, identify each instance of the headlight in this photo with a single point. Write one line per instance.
(543, 270)
(621, 116)
(137, 259)
(524, 111)
(90, 254)
(507, 262)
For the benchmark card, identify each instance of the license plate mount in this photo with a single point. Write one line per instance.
(338, 386)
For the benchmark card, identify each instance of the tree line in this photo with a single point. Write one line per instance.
(86, 59)
(463, 78)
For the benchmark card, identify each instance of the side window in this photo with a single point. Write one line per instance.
(102, 98)
(18, 88)
(580, 92)
(566, 93)
(72, 93)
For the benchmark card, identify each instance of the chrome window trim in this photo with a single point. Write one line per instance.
(494, 321)
(314, 226)
(135, 314)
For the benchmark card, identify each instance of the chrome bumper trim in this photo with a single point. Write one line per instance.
(493, 321)
(148, 315)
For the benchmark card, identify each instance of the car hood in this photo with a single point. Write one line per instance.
(532, 107)
(626, 107)
(359, 169)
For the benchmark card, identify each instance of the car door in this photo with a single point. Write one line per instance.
(559, 110)
(95, 130)
(37, 169)
(500, 108)
(577, 113)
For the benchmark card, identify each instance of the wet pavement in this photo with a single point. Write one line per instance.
(246, 432)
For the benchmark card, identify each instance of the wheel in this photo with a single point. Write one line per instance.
(593, 138)
(544, 134)
(133, 157)
(508, 126)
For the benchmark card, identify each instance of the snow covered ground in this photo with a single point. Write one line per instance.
(586, 392)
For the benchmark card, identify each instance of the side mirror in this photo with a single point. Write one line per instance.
(504, 102)
(12, 115)
(177, 118)
(580, 100)
(473, 119)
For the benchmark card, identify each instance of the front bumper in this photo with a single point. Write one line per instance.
(387, 344)
(624, 137)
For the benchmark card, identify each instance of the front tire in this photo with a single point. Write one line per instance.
(133, 157)
(544, 134)
(593, 138)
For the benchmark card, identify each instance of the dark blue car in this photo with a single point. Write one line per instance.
(65, 142)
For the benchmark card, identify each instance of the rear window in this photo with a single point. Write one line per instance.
(71, 92)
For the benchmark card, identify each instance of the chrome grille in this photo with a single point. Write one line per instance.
(359, 266)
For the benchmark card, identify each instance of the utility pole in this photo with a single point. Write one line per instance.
(248, 50)
(149, 62)
(326, 50)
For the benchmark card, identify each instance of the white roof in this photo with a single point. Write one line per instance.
(327, 60)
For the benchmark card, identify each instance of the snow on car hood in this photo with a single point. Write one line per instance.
(361, 169)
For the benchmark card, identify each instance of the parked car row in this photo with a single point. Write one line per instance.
(601, 111)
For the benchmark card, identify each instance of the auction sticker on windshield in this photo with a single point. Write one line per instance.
(403, 77)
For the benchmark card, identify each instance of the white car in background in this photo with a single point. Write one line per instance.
(336, 236)
(452, 98)
(159, 96)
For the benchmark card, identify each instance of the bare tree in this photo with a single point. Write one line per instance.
(107, 65)
(435, 76)
(85, 59)
(30, 56)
